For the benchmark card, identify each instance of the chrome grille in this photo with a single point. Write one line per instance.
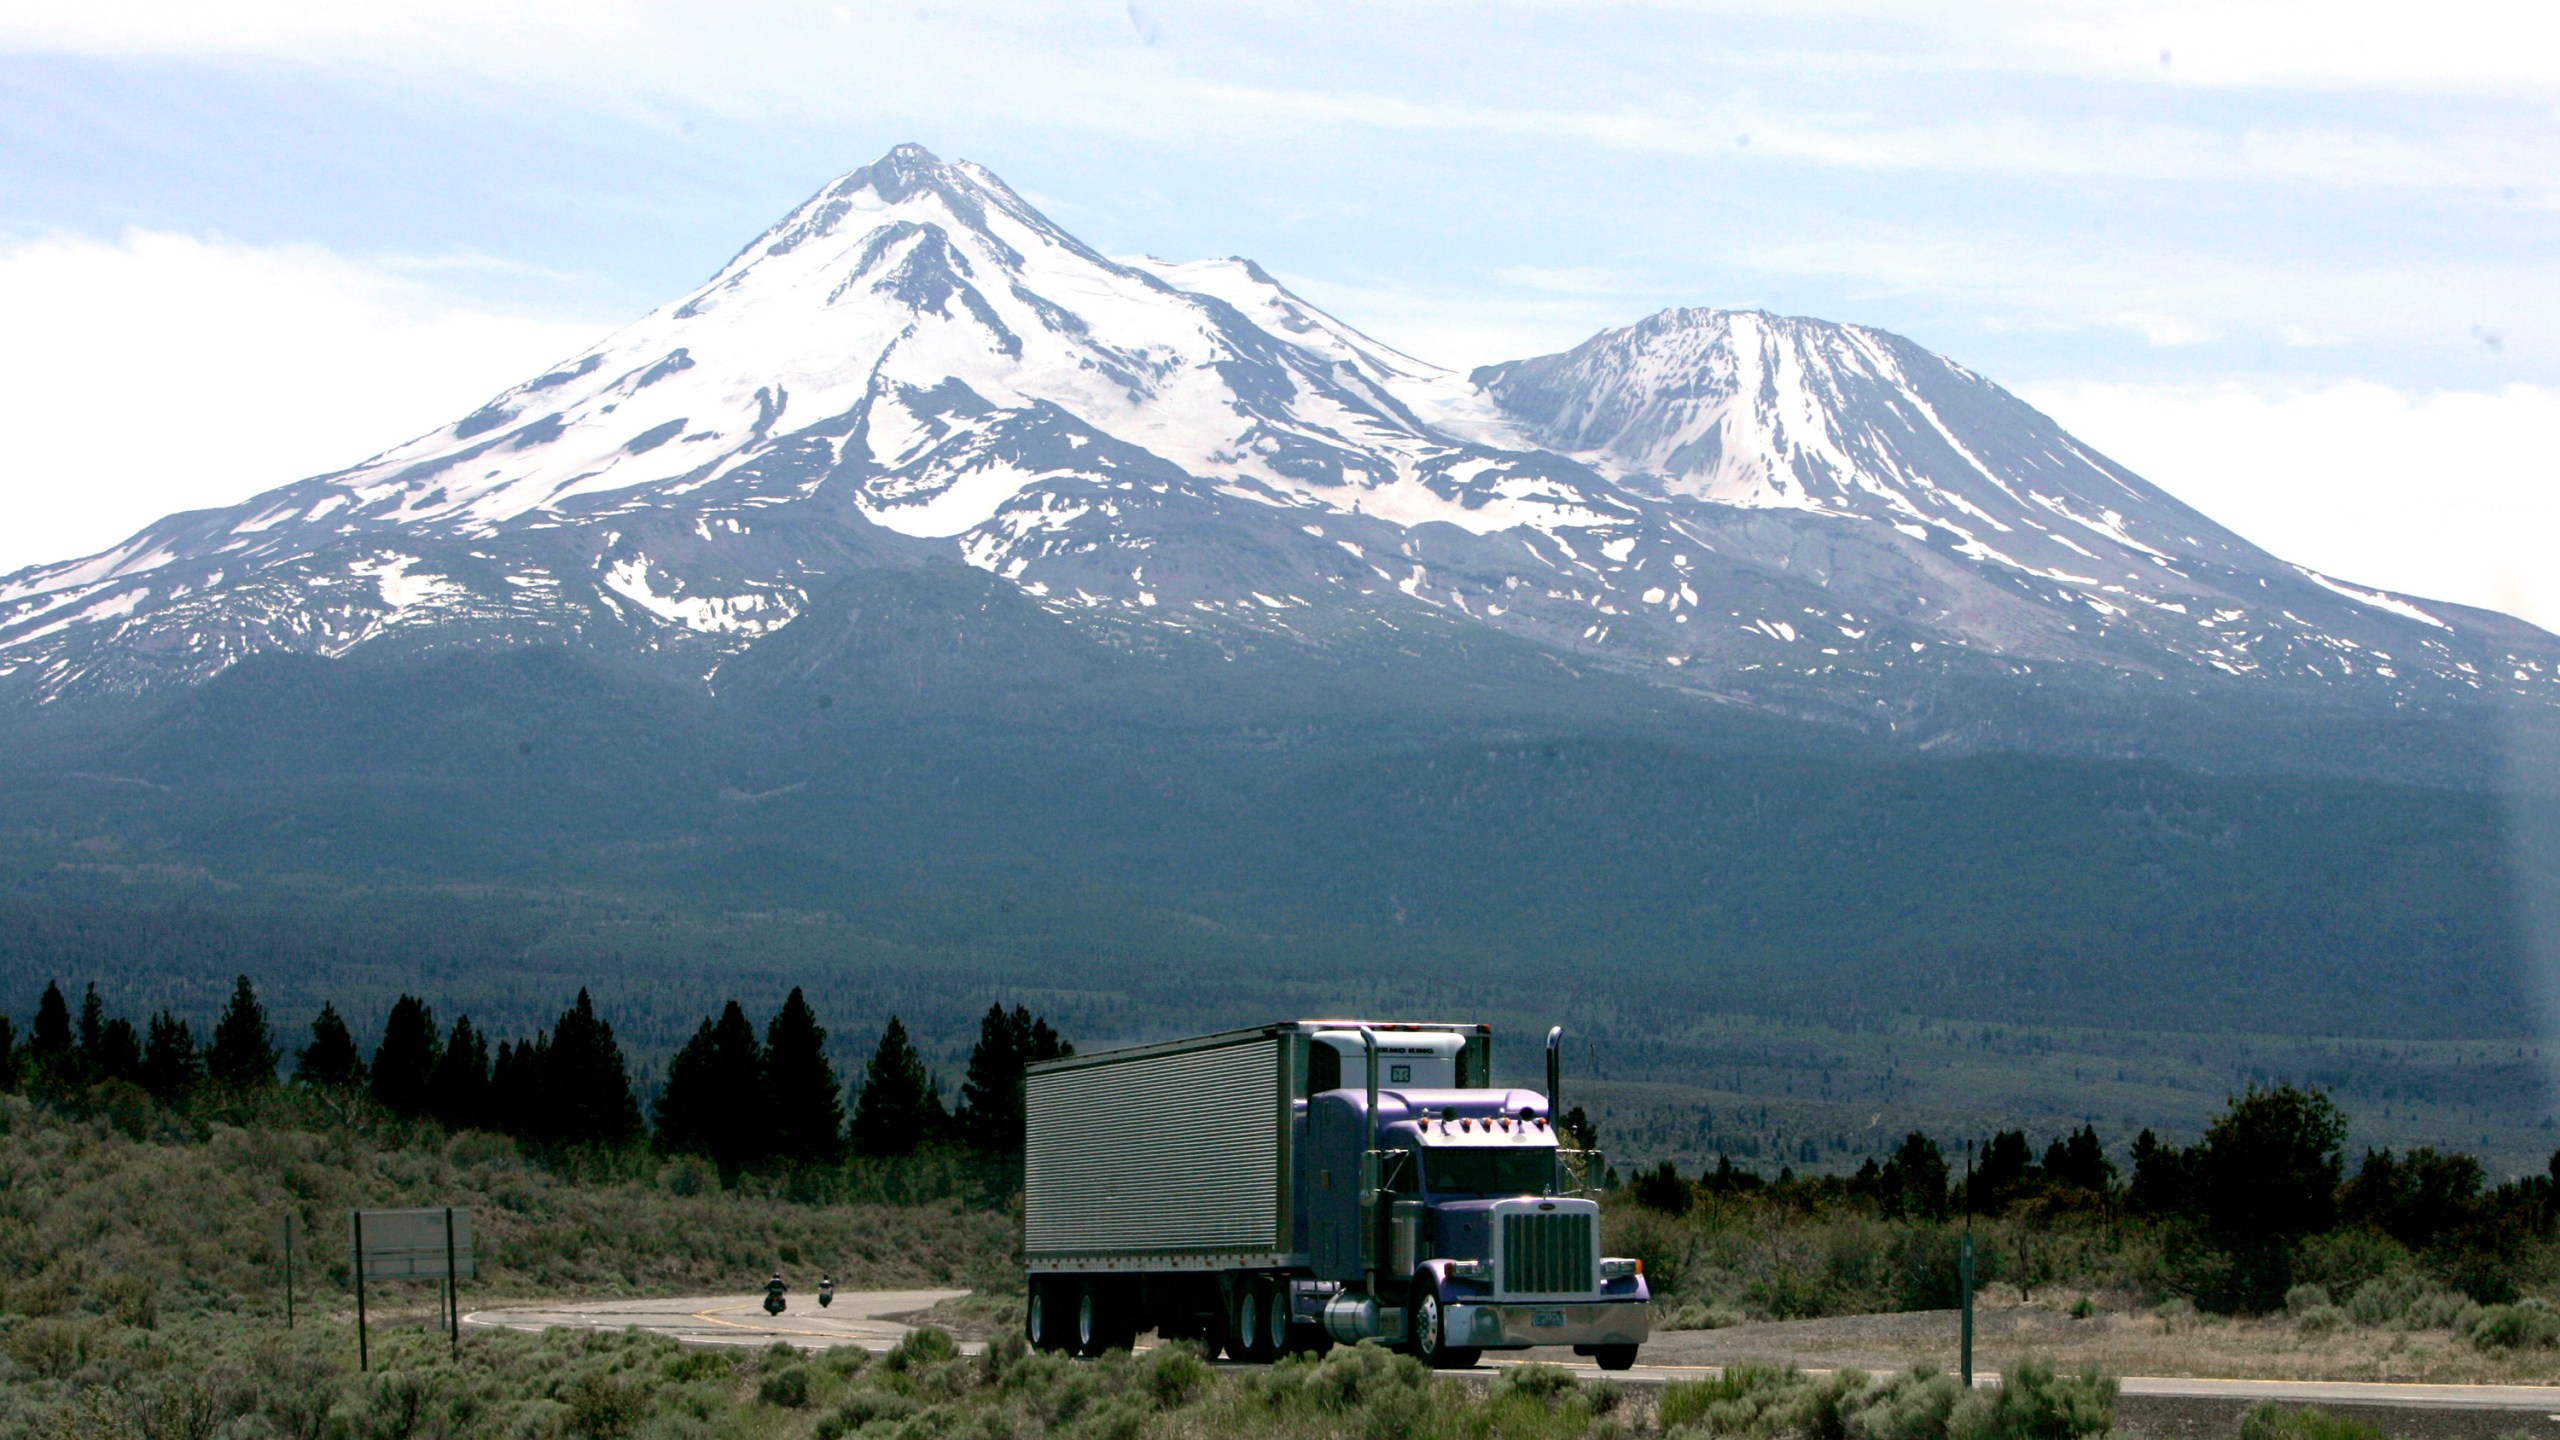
(1547, 1253)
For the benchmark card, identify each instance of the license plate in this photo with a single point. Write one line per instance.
(1546, 1319)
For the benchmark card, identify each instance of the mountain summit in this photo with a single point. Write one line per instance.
(915, 365)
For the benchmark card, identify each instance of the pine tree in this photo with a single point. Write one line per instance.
(800, 1085)
(716, 1103)
(990, 1118)
(118, 1053)
(170, 1064)
(584, 1087)
(243, 1054)
(330, 1060)
(898, 1110)
(93, 1025)
(404, 1064)
(458, 1093)
(49, 1047)
(511, 1084)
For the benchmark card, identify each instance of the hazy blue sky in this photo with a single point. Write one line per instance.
(2299, 264)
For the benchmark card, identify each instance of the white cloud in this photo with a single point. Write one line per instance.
(167, 372)
(2452, 495)
(1860, 85)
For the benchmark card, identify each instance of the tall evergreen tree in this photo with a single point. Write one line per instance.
(585, 1089)
(9, 1054)
(243, 1054)
(1914, 1182)
(2079, 1160)
(49, 1045)
(170, 1064)
(330, 1060)
(716, 1103)
(93, 1025)
(404, 1064)
(458, 1094)
(118, 1053)
(990, 1117)
(512, 1085)
(2006, 1171)
(898, 1109)
(800, 1084)
(2164, 1179)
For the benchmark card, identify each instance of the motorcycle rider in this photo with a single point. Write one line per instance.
(774, 1290)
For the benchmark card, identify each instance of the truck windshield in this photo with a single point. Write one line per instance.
(1489, 1171)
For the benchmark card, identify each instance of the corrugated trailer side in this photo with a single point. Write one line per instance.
(1162, 1157)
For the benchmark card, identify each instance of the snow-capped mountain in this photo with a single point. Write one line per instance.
(916, 365)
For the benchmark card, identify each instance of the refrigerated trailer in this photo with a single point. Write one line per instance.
(1315, 1182)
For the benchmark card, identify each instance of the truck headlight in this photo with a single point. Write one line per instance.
(1471, 1270)
(1620, 1269)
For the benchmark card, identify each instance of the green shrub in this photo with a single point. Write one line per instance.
(2306, 1297)
(1746, 1400)
(2083, 1308)
(2283, 1422)
(2525, 1325)
(1696, 1315)
(1170, 1375)
(2033, 1403)
(924, 1345)
(599, 1407)
(787, 1388)
(843, 1360)
(2438, 1309)
(1914, 1406)
(2321, 1320)
(864, 1406)
(699, 1365)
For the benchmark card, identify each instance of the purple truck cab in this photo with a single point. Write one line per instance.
(1313, 1183)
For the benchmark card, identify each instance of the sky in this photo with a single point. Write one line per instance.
(2298, 265)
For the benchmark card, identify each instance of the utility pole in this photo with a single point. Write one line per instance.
(364, 1351)
(1964, 1267)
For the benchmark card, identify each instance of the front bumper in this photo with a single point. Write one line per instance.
(1488, 1326)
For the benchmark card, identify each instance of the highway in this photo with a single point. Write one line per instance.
(868, 1318)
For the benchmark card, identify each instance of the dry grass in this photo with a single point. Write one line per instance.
(131, 1217)
(2118, 1339)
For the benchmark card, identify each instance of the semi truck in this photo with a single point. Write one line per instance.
(1311, 1183)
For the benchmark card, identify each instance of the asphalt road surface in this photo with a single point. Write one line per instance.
(866, 1318)
(858, 1317)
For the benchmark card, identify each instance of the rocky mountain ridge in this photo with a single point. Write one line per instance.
(916, 366)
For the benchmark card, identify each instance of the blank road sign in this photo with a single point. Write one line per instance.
(411, 1244)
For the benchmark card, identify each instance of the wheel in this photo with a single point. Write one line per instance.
(1613, 1357)
(1427, 1326)
(1093, 1320)
(1248, 1326)
(1044, 1317)
(1275, 1319)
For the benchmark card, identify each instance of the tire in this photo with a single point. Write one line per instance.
(1428, 1328)
(1092, 1320)
(1275, 1318)
(1246, 1327)
(1044, 1316)
(1613, 1357)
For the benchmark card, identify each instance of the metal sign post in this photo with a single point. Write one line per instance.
(415, 1245)
(288, 1269)
(364, 1358)
(1964, 1266)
